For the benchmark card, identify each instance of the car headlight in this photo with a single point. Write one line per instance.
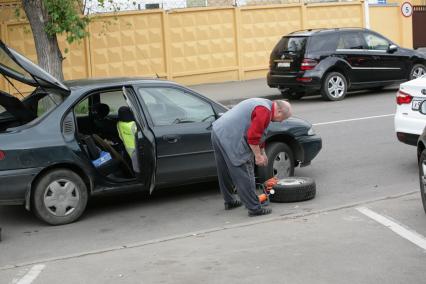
(311, 131)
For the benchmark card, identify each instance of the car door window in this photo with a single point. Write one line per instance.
(47, 102)
(324, 43)
(82, 109)
(168, 106)
(351, 41)
(114, 99)
(375, 42)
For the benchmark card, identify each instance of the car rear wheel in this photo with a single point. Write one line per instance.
(417, 71)
(59, 197)
(280, 162)
(334, 87)
(422, 178)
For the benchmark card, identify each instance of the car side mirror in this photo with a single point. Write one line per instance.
(422, 107)
(392, 48)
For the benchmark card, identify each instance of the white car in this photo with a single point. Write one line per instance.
(409, 122)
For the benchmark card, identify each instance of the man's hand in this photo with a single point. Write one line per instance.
(259, 155)
(261, 160)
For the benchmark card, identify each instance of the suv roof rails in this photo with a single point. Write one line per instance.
(317, 30)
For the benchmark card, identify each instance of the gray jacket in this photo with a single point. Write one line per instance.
(231, 129)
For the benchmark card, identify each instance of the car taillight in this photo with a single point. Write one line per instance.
(308, 64)
(2, 155)
(403, 98)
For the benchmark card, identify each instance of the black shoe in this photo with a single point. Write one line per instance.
(232, 204)
(259, 212)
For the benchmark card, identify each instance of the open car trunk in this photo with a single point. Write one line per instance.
(15, 112)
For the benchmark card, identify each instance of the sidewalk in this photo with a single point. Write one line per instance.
(340, 246)
(229, 93)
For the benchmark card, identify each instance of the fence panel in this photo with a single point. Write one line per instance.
(334, 15)
(261, 28)
(203, 45)
(389, 15)
(128, 44)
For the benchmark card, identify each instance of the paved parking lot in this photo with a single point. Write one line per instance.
(183, 235)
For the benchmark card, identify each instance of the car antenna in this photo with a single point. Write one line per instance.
(10, 82)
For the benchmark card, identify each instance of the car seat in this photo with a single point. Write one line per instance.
(126, 127)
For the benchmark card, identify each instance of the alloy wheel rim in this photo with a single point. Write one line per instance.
(291, 181)
(282, 165)
(61, 197)
(423, 177)
(336, 86)
(418, 72)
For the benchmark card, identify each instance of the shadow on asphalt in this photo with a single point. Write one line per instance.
(17, 216)
(317, 98)
(159, 196)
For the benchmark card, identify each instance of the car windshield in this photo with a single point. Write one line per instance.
(291, 44)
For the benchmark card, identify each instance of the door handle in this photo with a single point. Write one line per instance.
(171, 138)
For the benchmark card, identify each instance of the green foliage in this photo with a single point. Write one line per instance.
(65, 17)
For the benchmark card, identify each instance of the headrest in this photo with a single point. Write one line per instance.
(125, 114)
(100, 110)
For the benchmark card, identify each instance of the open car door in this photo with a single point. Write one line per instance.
(145, 143)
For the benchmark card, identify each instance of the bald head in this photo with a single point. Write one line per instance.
(282, 110)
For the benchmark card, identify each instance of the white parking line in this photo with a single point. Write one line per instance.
(406, 233)
(353, 119)
(32, 274)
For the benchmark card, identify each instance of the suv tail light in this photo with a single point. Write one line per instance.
(2, 155)
(308, 64)
(403, 98)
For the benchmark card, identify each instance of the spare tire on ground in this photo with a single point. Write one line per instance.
(293, 189)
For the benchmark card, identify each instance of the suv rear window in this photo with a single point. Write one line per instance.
(291, 44)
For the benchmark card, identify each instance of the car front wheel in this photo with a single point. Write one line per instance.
(417, 71)
(59, 197)
(422, 178)
(280, 162)
(334, 87)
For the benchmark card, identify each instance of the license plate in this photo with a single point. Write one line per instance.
(283, 64)
(415, 104)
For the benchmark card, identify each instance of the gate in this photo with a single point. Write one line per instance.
(419, 24)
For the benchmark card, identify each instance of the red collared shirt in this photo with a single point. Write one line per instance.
(260, 119)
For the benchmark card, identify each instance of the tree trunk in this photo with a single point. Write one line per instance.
(48, 53)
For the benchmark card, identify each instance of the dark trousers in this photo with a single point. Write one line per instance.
(242, 177)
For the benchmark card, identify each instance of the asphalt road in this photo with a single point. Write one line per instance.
(183, 235)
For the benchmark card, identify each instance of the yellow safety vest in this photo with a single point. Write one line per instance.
(127, 131)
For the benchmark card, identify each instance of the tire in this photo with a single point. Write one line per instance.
(280, 162)
(417, 71)
(294, 189)
(334, 87)
(292, 95)
(422, 178)
(66, 207)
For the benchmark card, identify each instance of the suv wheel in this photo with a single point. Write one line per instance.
(59, 197)
(334, 87)
(417, 71)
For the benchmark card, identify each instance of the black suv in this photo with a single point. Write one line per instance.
(334, 61)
